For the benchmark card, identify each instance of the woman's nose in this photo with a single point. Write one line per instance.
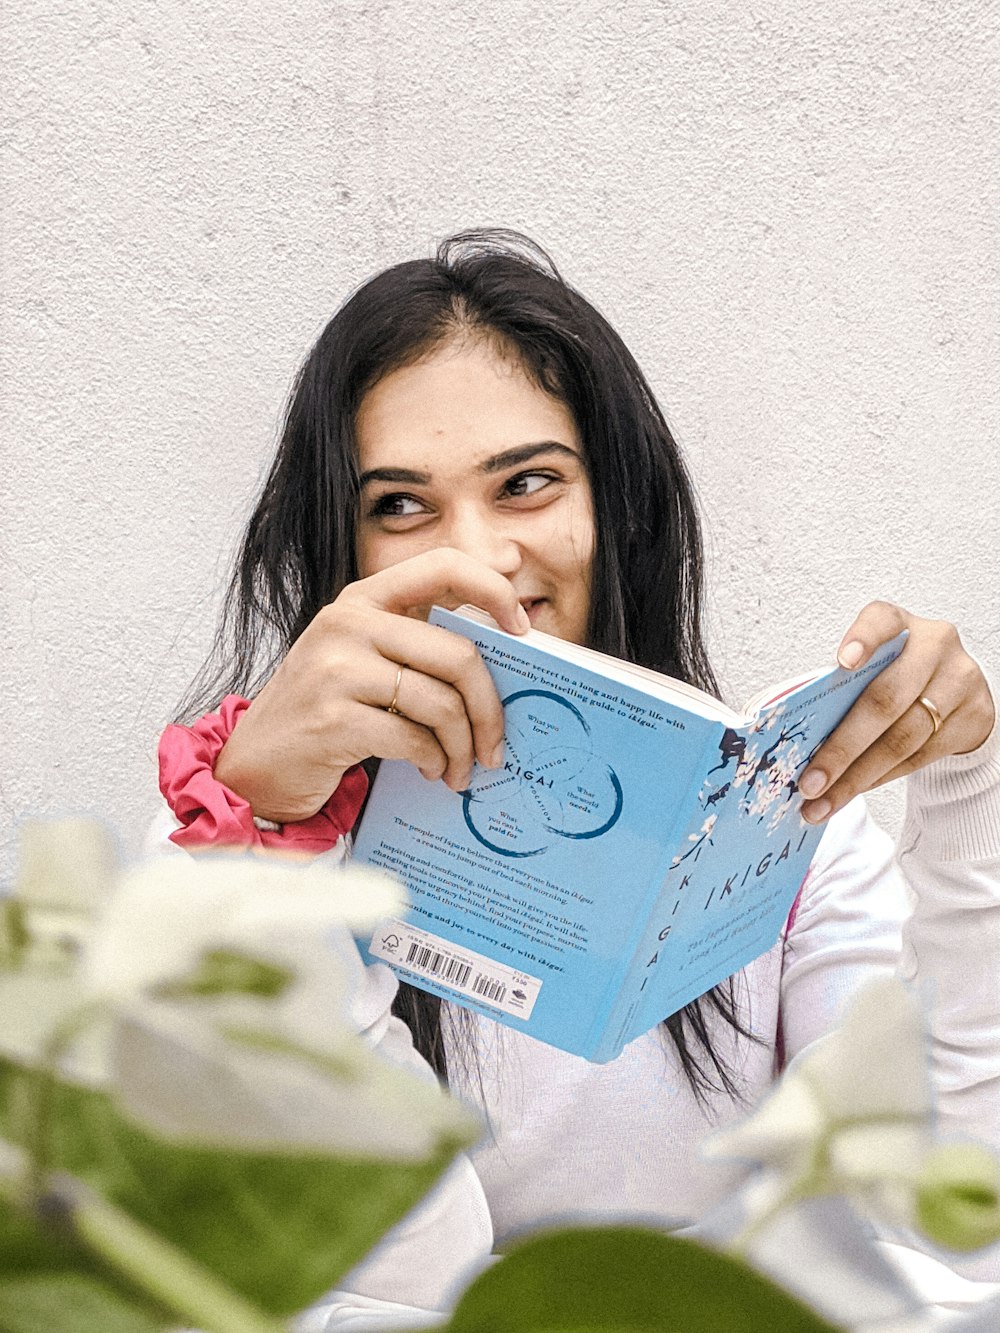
(485, 539)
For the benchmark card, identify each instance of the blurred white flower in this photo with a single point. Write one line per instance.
(64, 863)
(167, 913)
(65, 868)
(852, 1116)
(240, 995)
(235, 1007)
(216, 1085)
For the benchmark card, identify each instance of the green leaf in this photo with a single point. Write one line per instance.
(226, 972)
(625, 1280)
(69, 1303)
(958, 1196)
(14, 935)
(49, 1284)
(281, 1229)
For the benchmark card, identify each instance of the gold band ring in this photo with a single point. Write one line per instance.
(391, 708)
(932, 713)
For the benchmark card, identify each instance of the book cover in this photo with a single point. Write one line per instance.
(629, 853)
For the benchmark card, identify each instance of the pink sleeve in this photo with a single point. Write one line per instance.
(214, 816)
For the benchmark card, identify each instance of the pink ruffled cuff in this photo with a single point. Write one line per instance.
(214, 816)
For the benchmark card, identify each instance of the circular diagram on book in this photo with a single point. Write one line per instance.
(552, 784)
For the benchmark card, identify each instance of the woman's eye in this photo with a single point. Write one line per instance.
(395, 506)
(528, 483)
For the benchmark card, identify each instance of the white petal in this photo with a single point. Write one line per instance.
(364, 896)
(66, 864)
(156, 926)
(186, 1081)
(871, 1153)
(168, 911)
(876, 1062)
(781, 1133)
(823, 1253)
(33, 1002)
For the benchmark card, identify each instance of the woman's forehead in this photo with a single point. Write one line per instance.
(460, 404)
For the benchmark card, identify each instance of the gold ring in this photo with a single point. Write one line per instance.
(395, 692)
(932, 713)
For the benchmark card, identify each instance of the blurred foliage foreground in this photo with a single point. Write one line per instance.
(193, 1133)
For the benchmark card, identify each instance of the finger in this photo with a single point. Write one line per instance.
(952, 735)
(874, 625)
(440, 709)
(907, 744)
(449, 578)
(393, 736)
(878, 708)
(902, 770)
(453, 660)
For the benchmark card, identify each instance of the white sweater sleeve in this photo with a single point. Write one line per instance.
(847, 927)
(950, 854)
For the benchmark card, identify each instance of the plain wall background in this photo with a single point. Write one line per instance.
(790, 218)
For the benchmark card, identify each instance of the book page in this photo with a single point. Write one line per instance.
(655, 683)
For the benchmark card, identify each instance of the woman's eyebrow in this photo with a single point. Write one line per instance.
(523, 452)
(403, 474)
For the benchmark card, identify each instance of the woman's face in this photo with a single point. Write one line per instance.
(462, 449)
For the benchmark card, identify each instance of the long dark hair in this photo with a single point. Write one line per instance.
(298, 551)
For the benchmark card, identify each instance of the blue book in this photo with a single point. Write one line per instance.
(640, 843)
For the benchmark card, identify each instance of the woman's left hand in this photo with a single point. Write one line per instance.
(931, 702)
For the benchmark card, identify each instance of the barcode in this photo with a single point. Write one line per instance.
(438, 964)
(488, 988)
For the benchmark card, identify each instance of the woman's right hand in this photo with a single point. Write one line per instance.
(326, 706)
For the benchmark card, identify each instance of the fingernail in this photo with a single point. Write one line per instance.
(816, 811)
(851, 654)
(496, 756)
(523, 619)
(812, 782)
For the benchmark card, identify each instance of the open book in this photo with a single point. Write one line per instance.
(640, 843)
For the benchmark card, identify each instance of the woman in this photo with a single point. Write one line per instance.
(470, 429)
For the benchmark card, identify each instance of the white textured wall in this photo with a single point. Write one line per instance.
(791, 218)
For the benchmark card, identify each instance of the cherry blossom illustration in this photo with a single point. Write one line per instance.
(759, 770)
